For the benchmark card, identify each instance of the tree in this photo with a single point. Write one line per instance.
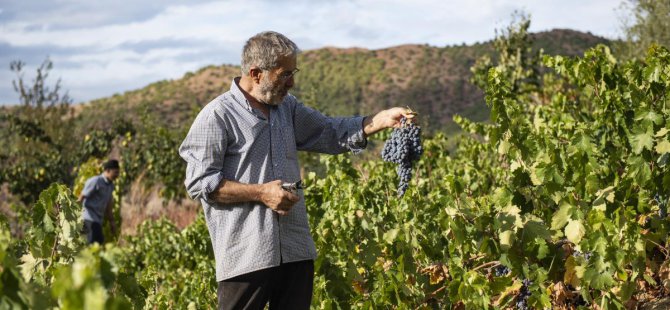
(37, 147)
(38, 95)
(647, 22)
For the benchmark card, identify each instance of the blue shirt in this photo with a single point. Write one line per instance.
(231, 140)
(97, 195)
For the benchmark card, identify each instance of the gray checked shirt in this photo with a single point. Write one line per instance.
(231, 140)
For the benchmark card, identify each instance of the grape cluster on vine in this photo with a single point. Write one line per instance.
(403, 148)
(662, 207)
(522, 297)
(585, 255)
(501, 270)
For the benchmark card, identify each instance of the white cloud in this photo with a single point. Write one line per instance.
(101, 37)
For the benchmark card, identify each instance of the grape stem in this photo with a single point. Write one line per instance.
(494, 263)
(660, 247)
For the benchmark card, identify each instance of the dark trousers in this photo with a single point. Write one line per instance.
(93, 232)
(288, 286)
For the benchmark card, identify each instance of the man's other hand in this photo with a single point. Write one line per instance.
(387, 119)
(276, 198)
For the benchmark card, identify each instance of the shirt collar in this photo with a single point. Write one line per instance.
(238, 95)
(108, 181)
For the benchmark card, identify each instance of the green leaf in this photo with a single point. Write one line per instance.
(561, 217)
(649, 116)
(538, 174)
(641, 140)
(537, 229)
(503, 147)
(639, 169)
(574, 231)
(391, 235)
(599, 280)
(543, 248)
(506, 239)
(602, 196)
(582, 143)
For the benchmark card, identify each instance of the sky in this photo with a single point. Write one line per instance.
(99, 48)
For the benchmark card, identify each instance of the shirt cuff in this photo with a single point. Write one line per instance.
(209, 184)
(357, 140)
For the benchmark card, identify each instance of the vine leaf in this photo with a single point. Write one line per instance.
(574, 231)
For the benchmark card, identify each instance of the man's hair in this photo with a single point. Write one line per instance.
(111, 164)
(264, 50)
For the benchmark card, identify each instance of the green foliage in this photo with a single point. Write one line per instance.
(336, 87)
(176, 268)
(151, 155)
(53, 238)
(37, 147)
(647, 23)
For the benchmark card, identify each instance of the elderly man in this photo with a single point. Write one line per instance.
(240, 149)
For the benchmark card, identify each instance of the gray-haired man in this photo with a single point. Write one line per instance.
(240, 149)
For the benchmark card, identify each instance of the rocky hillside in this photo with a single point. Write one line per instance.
(431, 80)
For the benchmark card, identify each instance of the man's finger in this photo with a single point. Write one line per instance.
(293, 197)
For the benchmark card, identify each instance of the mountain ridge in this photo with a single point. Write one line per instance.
(343, 81)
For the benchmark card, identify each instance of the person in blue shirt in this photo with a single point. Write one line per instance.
(96, 198)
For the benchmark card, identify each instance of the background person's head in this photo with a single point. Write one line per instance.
(269, 59)
(111, 169)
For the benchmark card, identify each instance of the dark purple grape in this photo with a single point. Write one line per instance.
(585, 255)
(501, 271)
(403, 148)
(524, 293)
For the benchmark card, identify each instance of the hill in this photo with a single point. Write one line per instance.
(432, 80)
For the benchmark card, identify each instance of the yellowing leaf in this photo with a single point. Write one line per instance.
(506, 239)
(573, 272)
(503, 147)
(574, 231)
(662, 132)
(29, 263)
(662, 147)
(391, 235)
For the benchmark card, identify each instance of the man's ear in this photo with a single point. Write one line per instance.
(255, 74)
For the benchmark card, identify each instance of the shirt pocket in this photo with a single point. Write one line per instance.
(289, 144)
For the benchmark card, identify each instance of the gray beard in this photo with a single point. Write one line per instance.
(269, 95)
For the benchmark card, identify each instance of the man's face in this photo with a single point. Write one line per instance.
(275, 84)
(112, 174)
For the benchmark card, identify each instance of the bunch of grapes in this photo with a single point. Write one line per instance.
(501, 271)
(662, 207)
(585, 255)
(403, 148)
(522, 297)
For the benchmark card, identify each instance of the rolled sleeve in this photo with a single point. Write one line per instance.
(203, 150)
(356, 140)
(332, 135)
(89, 187)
